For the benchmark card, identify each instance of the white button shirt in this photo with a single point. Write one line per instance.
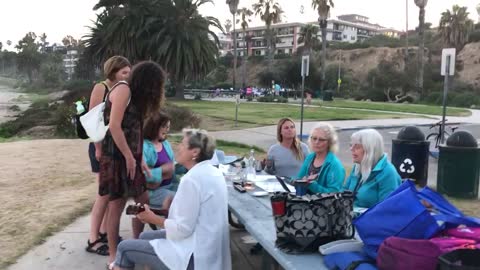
(197, 222)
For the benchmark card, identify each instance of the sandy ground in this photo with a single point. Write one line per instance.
(44, 185)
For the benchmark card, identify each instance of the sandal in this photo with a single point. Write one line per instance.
(101, 250)
(103, 238)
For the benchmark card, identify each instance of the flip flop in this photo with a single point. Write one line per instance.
(102, 250)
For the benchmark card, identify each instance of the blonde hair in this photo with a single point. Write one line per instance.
(296, 146)
(113, 65)
(372, 143)
(330, 133)
(199, 138)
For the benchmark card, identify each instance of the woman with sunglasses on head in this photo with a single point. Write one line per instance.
(322, 168)
(288, 153)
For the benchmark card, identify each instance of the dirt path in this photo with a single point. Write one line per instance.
(44, 185)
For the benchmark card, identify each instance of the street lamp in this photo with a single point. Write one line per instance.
(421, 33)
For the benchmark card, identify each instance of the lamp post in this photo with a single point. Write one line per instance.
(421, 34)
(323, 12)
(233, 5)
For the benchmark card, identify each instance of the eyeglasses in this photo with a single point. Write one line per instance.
(317, 139)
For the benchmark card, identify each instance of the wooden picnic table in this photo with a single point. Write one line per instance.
(255, 213)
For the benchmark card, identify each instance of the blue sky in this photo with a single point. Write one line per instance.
(58, 18)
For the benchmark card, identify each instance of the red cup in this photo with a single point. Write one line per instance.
(278, 205)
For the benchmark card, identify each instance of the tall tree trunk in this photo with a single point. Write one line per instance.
(269, 48)
(421, 34)
(235, 53)
(323, 26)
(179, 87)
(245, 60)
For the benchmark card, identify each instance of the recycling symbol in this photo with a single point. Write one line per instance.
(407, 166)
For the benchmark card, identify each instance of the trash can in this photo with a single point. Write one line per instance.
(328, 95)
(459, 166)
(410, 155)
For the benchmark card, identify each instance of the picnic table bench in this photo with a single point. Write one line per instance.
(255, 213)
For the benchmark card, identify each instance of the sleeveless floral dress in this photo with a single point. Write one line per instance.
(113, 170)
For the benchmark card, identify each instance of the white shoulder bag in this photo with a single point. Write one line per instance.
(93, 121)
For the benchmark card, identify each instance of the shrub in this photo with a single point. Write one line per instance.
(78, 85)
(63, 120)
(276, 99)
(474, 37)
(249, 98)
(182, 117)
(197, 97)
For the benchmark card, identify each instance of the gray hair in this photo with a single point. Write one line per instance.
(199, 138)
(331, 136)
(372, 143)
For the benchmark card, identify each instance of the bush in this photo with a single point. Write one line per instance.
(276, 99)
(249, 98)
(63, 120)
(474, 37)
(182, 117)
(78, 85)
(465, 100)
(197, 97)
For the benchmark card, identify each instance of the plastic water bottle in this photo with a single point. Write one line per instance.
(80, 107)
(251, 173)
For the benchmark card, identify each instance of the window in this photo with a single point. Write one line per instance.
(258, 52)
(344, 36)
(352, 38)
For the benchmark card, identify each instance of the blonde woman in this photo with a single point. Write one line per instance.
(375, 176)
(289, 152)
(322, 167)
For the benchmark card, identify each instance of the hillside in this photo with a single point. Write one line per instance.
(359, 62)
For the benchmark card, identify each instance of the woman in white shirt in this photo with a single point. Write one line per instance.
(196, 231)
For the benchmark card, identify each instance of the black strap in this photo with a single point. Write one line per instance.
(106, 90)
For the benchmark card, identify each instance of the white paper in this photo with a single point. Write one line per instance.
(271, 186)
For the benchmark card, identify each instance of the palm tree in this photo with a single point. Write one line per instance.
(455, 27)
(170, 32)
(421, 33)
(233, 5)
(270, 13)
(323, 9)
(309, 37)
(228, 25)
(245, 15)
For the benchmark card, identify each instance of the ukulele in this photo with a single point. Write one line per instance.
(135, 209)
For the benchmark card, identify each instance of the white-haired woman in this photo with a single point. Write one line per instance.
(373, 175)
(196, 233)
(322, 167)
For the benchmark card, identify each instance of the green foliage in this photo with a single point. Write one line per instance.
(29, 57)
(266, 77)
(375, 41)
(197, 97)
(270, 98)
(63, 120)
(474, 36)
(455, 27)
(172, 33)
(182, 117)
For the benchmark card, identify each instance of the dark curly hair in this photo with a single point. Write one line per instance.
(147, 84)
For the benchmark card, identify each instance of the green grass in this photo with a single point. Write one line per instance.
(269, 114)
(394, 107)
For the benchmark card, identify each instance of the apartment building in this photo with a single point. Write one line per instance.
(346, 28)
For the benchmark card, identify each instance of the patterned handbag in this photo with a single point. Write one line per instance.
(304, 223)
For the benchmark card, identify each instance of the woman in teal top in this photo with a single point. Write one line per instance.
(322, 167)
(373, 175)
(158, 155)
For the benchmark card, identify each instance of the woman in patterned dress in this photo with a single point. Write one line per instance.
(122, 172)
